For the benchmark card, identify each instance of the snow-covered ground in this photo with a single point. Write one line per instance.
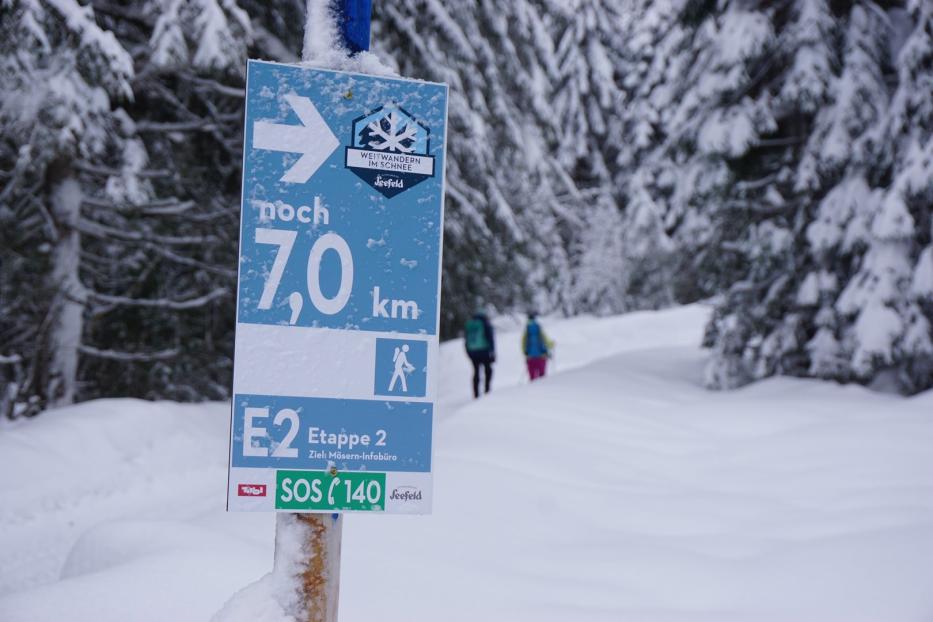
(615, 489)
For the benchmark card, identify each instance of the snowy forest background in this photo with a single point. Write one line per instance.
(606, 155)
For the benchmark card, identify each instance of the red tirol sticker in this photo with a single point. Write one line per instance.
(251, 490)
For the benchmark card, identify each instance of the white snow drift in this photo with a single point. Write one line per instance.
(616, 488)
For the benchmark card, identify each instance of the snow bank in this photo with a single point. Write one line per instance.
(73, 467)
(616, 488)
(113, 510)
(625, 491)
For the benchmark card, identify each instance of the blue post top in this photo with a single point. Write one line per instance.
(354, 16)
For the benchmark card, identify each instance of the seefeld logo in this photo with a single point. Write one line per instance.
(389, 150)
(251, 490)
(406, 493)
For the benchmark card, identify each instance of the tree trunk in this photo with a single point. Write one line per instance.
(67, 312)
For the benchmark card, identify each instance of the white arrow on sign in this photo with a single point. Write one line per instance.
(313, 139)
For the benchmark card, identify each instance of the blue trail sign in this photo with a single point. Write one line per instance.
(339, 282)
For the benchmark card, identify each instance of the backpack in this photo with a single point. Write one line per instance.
(534, 343)
(476, 336)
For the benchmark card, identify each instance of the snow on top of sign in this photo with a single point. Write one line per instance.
(323, 48)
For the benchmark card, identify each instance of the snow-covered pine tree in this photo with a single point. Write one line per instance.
(695, 113)
(588, 99)
(63, 79)
(779, 152)
(618, 221)
(844, 304)
(624, 258)
(837, 233)
(507, 220)
(124, 195)
(160, 325)
(708, 149)
(804, 57)
(600, 276)
(886, 304)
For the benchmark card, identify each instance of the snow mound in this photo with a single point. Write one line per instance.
(73, 468)
(257, 602)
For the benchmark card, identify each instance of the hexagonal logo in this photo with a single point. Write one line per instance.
(389, 150)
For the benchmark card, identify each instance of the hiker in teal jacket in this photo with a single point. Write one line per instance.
(481, 348)
(536, 347)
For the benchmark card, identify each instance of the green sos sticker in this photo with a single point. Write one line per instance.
(319, 490)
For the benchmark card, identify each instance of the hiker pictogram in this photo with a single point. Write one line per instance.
(401, 367)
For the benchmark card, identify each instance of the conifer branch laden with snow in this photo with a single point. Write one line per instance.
(103, 282)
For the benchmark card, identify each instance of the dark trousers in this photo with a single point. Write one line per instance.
(483, 359)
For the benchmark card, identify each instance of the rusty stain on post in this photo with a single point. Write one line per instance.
(320, 578)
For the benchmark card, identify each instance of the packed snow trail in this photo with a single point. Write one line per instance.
(616, 488)
(578, 342)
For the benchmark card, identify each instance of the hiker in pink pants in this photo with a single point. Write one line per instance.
(537, 348)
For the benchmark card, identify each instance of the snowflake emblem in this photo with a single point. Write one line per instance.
(390, 133)
(390, 150)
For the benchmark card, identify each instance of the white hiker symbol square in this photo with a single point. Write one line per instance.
(401, 366)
